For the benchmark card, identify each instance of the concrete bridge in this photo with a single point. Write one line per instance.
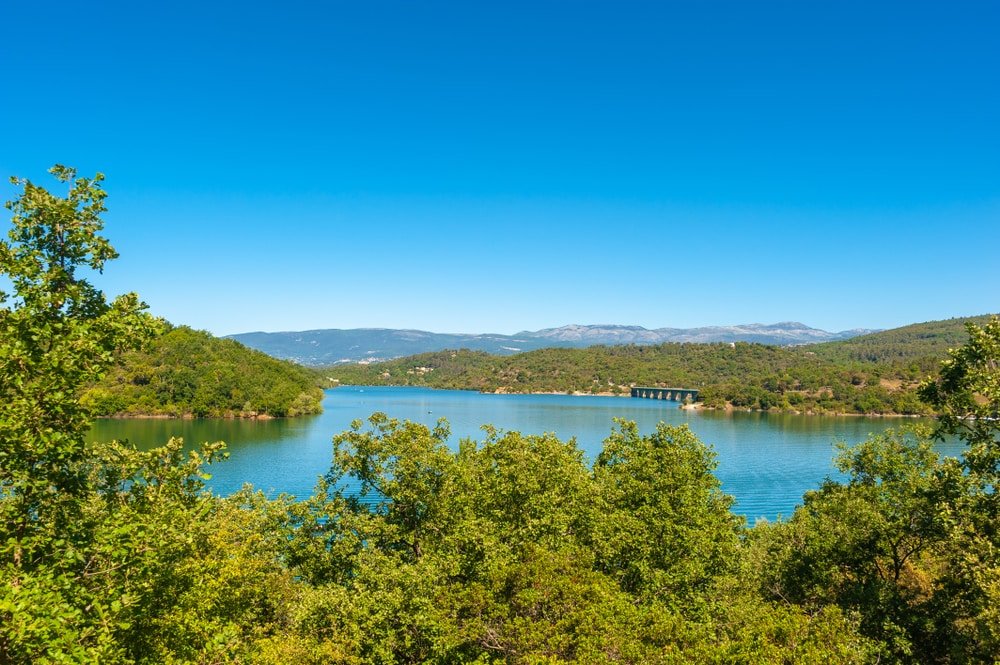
(673, 394)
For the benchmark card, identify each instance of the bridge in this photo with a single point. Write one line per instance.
(673, 394)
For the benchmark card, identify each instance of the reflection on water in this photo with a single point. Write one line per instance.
(765, 460)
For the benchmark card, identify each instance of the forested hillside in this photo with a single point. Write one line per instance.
(190, 372)
(876, 373)
(914, 351)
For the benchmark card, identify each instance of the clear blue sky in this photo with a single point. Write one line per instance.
(473, 167)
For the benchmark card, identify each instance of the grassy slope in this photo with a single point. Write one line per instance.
(876, 373)
(189, 372)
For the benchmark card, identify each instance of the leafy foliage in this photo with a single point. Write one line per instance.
(58, 333)
(967, 394)
(513, 550)
(874, 544)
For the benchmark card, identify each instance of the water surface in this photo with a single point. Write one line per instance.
(765, 460)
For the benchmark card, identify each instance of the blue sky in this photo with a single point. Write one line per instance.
(474, 167)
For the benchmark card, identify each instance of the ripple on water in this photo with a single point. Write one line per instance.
(765, 461)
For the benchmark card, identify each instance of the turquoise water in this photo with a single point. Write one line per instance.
(765, 460)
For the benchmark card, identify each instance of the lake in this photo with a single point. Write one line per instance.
(766, 461)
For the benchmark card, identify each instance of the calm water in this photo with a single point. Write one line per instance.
(766, 461)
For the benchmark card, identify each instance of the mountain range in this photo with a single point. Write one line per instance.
(335, 346)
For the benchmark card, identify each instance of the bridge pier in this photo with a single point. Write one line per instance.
(667, 394)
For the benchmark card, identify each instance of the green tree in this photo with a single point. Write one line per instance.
(966, 393)
(58, 333)
(875, 545)
(910, 541)
(666, 529)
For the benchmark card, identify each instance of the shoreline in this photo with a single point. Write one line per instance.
(187, 416)
(697, 406)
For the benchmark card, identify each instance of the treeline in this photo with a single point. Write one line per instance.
(875, 374)
(185, 372)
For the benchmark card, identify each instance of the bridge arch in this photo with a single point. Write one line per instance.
(666, 394)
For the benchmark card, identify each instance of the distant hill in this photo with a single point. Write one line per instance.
(903, 345)
(190, 372)
(333, 346)
(875, 373)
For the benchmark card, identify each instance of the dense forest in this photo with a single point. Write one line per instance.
(874, 374)
(511, 549)
(185, 372)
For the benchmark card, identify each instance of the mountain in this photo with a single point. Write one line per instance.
(782, 334)
(334, 346)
